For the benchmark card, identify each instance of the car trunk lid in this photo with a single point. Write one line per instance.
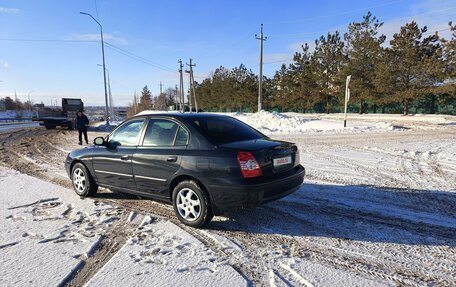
(273, 156)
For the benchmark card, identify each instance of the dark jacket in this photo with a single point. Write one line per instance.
(81, 122)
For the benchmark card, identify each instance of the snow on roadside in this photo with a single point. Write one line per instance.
(162, 254)
(277, 123)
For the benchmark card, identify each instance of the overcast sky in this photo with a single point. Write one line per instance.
(49, 48)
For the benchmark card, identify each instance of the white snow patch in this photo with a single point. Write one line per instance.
(41, 238)
(278, 123)
(163, 254)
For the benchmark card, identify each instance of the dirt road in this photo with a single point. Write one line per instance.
(378, 206)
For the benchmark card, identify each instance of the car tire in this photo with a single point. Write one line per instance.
(83, 183)
(50, 126)
(191, 204)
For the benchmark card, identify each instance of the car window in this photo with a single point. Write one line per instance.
(182, 137)
(128, 133)
(160, 133)
(225, 130)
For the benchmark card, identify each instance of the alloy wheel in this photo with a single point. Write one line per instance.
(79, 180)
(188, 204)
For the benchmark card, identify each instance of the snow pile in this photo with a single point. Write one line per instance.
(8, 115)
(277, 123)
(274, 122)
(103, 127)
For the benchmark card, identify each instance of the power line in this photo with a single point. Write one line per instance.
(394, 20)
(96, 10)
(109, 45)
(138, 58)
(336, 14)
(48, 40)
(274, 62)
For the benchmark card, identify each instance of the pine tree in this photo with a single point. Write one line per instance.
(303, 80)
(326, 63)
(145, 102)
(447, 91)
(416, 66)
(282, 94)
(363, 46)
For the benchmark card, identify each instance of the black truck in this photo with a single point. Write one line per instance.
(64, 117)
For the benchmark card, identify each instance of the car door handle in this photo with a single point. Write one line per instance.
(125, 157)
(171, 158)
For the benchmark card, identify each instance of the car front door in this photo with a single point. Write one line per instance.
(112, 162)
(159, 156)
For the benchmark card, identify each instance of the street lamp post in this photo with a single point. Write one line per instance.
(104, 65)
(29, 102)
(111, 108)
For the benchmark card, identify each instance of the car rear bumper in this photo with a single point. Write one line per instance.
(252, 193)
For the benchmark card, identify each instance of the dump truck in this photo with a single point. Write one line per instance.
(63, 117)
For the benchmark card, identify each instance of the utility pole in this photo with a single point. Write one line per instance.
(181, 87)
(260, 76)
(176, 101)
(160, 98)
(192, 83)
(135, 104)
(347, 98)
(189, 89)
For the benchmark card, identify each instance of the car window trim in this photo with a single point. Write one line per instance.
(124, 123)
(179, 124)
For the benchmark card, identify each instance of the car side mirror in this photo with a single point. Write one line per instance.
(99, 141)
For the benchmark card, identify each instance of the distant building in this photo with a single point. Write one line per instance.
(121, 113)
(38, 106)
(2, 105)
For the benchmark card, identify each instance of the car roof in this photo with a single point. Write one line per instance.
(186, 115)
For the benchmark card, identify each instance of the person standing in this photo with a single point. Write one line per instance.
(81, 122)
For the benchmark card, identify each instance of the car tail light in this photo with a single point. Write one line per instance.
(248, 164)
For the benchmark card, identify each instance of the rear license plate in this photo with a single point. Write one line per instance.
(282, 161)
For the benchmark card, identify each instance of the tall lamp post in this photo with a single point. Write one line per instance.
(104, 65)
(30, 103)
(111, 107)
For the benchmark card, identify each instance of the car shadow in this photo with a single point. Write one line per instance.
(352, 212)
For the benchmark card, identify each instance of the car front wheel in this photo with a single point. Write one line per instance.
(191, 204)
(83, 183)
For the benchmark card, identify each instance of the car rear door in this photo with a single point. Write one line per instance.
(112, 163)
(160, 155)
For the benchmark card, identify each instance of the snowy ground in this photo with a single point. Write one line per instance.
(48, 234)
(376, 209)
(11, 126)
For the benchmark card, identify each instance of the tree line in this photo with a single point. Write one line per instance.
(146, 101)
(415, 70)
(15, 104)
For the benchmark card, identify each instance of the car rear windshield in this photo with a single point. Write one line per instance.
(222, 130)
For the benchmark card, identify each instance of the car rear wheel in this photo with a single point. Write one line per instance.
(83, 183)
(191, 204)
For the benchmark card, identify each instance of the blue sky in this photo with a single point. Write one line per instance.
(213, 33)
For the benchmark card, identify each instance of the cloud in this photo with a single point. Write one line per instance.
(9, 10)
(297, 47)
(4, 64)
(96, 37)
(433, 14)
(276, 57)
